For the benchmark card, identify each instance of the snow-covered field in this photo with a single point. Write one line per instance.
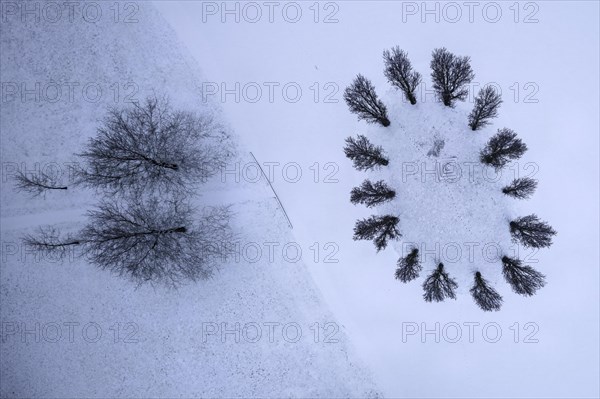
(70, 330)
(447, 201)
(375, 336)
(545, 60)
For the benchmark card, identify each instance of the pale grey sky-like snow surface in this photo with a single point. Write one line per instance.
(544, 58)
(274, 73)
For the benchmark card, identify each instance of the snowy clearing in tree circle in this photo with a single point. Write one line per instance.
(443, 184)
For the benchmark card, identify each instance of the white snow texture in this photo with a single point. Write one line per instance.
(160, 350)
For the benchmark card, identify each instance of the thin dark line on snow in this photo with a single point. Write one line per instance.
(273, 189)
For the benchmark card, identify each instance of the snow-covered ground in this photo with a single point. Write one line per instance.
(546, 64)
(450, 206)
(258, 328)
(543, 56)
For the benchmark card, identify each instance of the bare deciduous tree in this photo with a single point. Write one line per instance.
(380, 229)
(520, 188)
(484, 295)
(371, 194)
(532, 232)
(48, 240)
(524, 280)
(150, 147)
(487, 102)
(409, 266)
(450, 75)
(399, 72)
(502, 148)
(363, 101)
(152, 240)
(37, 183)
(364, 154)
(439, 286)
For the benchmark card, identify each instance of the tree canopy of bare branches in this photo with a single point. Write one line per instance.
(362, 100)
(400, 73)
(151, 147)
(450, 75)
(152, 240)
